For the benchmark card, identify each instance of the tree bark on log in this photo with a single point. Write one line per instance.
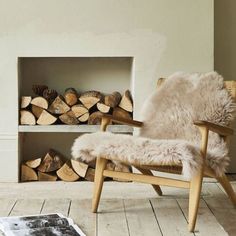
(119, 112)
(69, 118)
(112, 100)
(51, 162)
(27, 118)
(46, 118)
(66, 173)
(28, 174)
(71, 96)
(40, 102)
(33, 163)
(46, 176)
(126, 102)
(50, 95)
(95, 118)
(58, 106)
(90, 98)
(38, 89)
(25, 101)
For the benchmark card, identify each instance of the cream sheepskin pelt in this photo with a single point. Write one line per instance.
(168, 135)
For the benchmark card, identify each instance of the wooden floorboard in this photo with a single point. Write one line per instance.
(6, 206)
(207, 224)
(170, 217)
(56, 206)
(141, 218)
(80, 212)
(111, 219)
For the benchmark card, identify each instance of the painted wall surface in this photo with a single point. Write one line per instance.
(163, 36)
(225, 51)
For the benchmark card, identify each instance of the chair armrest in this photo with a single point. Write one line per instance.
(121, 120)
(221, 130)
(106, 119)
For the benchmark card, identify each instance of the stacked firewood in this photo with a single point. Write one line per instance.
(48, 107)
(53, 166)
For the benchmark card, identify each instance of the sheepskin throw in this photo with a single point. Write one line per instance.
(168, 135)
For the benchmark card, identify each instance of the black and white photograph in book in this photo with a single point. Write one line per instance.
(39, 225)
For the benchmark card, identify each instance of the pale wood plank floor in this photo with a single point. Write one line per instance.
(128, 209)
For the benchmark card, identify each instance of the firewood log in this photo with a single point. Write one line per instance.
(51, 162)
(119, 112)
(69, 118)
(90, 174)
(46, 176)
(102, 107)
(66, 173)
(40, 102)
(27, 118)
(38, 89)
(58, 106)
(123, 168)
(110, 165)
(84, 117)
(71, 96)
(79, 167)
(112, 100)
(90, 98)
(37, 111)
(95, 118)
(25, 101)
(126, 102)
(79, 110)
(28, 174)
(33, 163)
(46, 118)
(50, 95)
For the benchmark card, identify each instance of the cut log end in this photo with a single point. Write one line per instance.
(66, 173)
(40, 102)
(46, 118)
(27, 118)
(28, 174)
(69, 118)
(58, 106)
(46, 176)
(79, 167)
(112, 100)
(102, 107)
(71, 96)
(90, 98)
(33, 163)
(25, 101)
(126, 102)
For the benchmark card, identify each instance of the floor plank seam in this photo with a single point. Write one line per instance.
(42, 207)
(126, 217)
(156, 217)
(68, 211)
(12, 208)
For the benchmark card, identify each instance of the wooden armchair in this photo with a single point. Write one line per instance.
(194, 185)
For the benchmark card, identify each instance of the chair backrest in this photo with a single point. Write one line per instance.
(183, 98)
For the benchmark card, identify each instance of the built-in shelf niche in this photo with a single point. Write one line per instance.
(105, 74)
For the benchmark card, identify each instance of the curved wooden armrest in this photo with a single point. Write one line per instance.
(107, 118)
(221, 130)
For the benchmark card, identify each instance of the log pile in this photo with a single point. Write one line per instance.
(53, 166)
(48, 107)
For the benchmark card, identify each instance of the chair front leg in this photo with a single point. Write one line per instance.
(194, 198)
(98, 182)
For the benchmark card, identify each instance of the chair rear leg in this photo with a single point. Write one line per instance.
(157, 188)
(98, 182)
(194, 199)
(223, 180)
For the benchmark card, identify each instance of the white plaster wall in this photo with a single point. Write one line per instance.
(163, 36)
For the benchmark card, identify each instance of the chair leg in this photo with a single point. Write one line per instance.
(98, 182)
(194, 199)
(223, 180)
(157, 188)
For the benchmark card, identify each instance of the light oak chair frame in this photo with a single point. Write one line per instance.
(194, 185)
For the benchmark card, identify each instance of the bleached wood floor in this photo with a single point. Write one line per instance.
(126, 209)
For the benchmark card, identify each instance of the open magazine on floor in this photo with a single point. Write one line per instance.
(39, 225)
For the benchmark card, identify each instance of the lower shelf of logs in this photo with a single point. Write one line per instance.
(53, 167)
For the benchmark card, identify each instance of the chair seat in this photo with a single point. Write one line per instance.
(178, 155)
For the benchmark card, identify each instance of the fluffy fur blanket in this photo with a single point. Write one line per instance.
(168, 135)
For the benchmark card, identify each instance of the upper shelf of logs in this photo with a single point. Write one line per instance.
(48, 107)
